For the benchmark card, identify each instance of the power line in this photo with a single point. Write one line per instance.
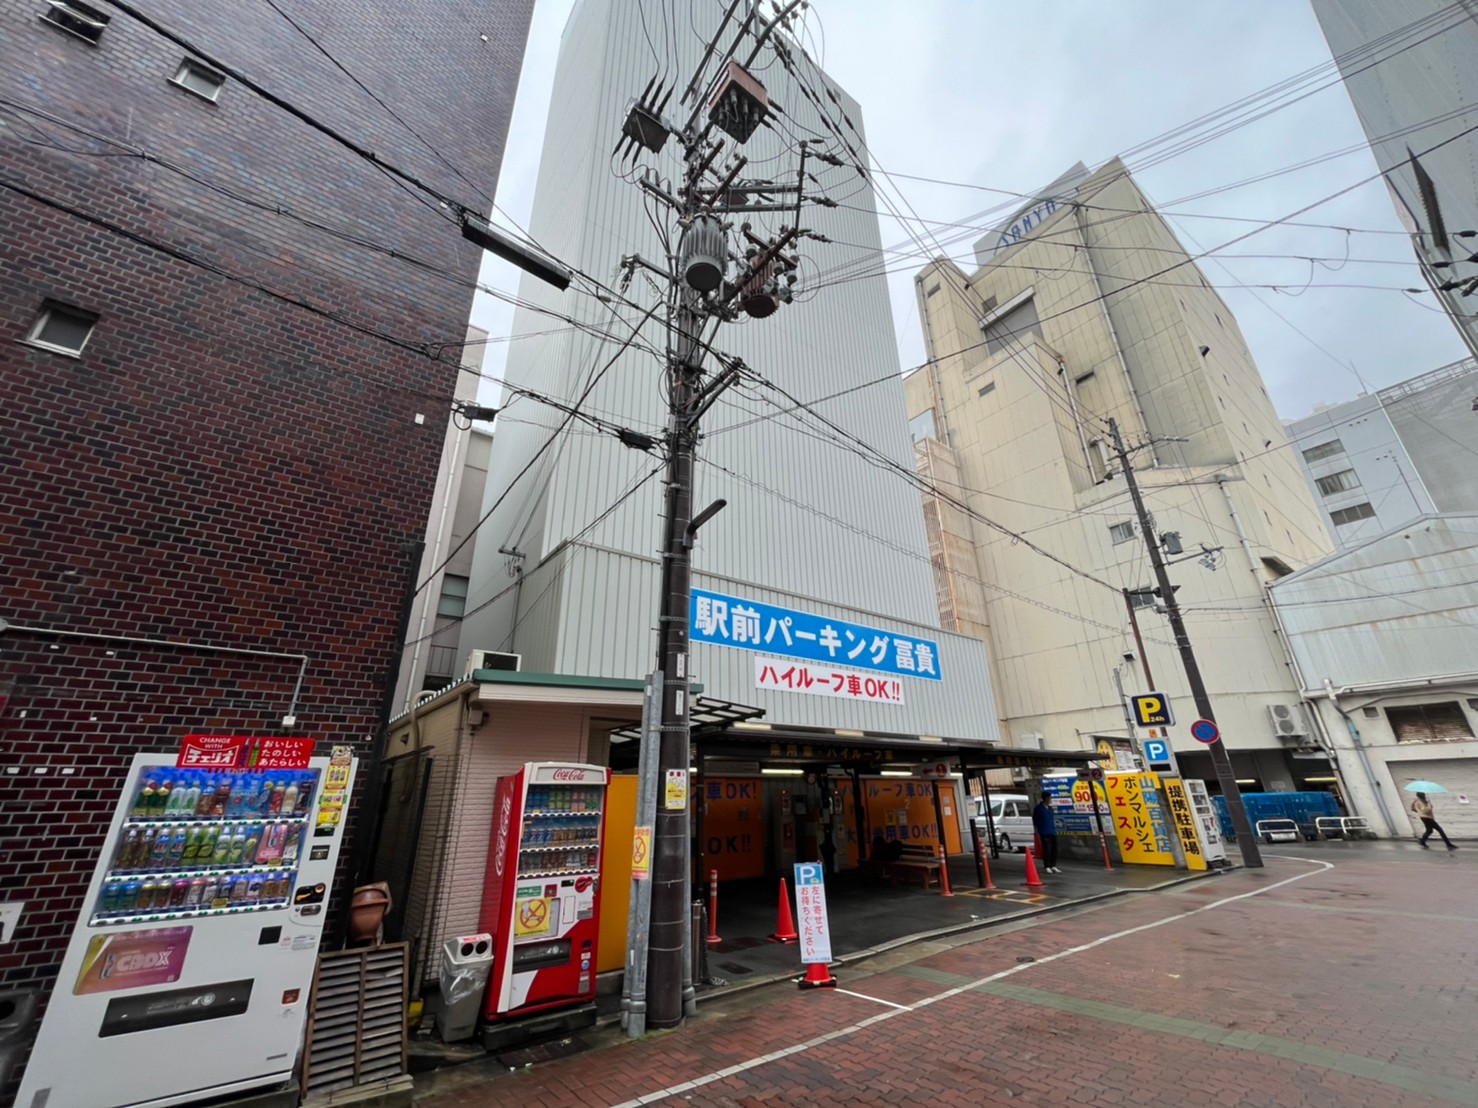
(291, 109)
(569, 417)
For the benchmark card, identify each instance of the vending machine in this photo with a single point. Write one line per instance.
(189, 969)
(541, 895)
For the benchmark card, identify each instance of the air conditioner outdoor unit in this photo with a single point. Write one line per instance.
(494, 659)
(1020, 773)
(1288, 721)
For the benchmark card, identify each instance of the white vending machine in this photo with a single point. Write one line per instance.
(189, 969)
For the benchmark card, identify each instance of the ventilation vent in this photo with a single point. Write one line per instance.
(356, 1022)
(76, 18)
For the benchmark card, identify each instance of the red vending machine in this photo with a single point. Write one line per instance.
(541, 895)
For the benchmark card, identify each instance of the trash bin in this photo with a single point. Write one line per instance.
(465, 965)
(17, 1016)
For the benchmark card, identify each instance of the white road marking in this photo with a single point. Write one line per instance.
(874, 999)
(899, 1010)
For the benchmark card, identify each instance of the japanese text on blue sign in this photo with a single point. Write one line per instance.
(750, 625)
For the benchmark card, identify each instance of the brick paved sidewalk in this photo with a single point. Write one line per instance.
(1297, 985)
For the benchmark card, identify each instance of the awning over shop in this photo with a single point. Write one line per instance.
(778, 747)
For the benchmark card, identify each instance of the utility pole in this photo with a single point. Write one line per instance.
(1251, 856)
(707, 279)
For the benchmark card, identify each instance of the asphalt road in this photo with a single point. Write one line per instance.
(1338, 975)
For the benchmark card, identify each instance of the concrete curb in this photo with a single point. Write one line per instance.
(952, 929)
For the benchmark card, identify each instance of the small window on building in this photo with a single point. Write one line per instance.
(989, 305)
(1335, 483)
(1371, 711)
(200, 79)
(453, 602)
(1430, 723)
(987, 388)
(922, 427)
(1122, 532)
(1353, 514)
(1277, 566)
(76, 18)
(1222, 402)
(1218, 319)
(1324, 450)
(62, 328)
(1085, 378)
(1013, 329)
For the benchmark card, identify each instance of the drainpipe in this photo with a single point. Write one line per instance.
(1108, 322)
(290, 720)
(431, 594)
(1380, 798)
(1221, 482)
(1281, 633)
(1072, 404)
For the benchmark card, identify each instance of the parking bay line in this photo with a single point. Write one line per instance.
(862, 1025)
(874, 999)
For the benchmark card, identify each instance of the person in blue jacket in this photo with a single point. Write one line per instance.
(1045, 824)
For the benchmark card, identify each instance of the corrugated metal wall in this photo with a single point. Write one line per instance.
(1402, 607)
(960, 706)
(805, 514)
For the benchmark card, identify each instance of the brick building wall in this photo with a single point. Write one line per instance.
(235, 459)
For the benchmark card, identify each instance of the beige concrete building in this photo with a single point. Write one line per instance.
(1084, 307)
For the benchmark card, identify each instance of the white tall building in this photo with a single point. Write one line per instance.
(1411, 69)
(566, 569)
(1084, 306)
(1380, 461)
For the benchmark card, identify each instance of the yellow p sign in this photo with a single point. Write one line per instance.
(1153, 710)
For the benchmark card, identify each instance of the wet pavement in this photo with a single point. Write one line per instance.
(1338, 976)
(869, 913)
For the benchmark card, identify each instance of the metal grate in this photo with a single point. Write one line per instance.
(356, 1020)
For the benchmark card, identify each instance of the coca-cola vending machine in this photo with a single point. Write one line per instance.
(541, 895)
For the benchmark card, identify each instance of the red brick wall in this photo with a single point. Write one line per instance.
(219, 466)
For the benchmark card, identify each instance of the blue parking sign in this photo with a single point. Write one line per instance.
(1156, 750)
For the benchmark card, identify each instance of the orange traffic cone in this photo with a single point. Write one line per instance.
(818, 976)
(785, 924)
(1032, 880)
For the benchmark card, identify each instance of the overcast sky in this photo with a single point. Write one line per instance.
(1007, 94)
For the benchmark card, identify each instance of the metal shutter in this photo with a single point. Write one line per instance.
(1460, 777)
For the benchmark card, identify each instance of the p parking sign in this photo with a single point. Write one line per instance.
(1156, 752)
(1152, 709)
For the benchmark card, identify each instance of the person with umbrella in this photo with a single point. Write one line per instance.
(1423, 809)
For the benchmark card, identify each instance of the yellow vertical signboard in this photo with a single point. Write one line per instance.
(1185, 822)
(1139, 823)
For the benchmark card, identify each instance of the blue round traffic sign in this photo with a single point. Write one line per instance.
(1204, 731)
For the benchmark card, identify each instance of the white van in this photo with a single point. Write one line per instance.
(1011, 813)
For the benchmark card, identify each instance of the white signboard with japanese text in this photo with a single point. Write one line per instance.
(786, 675)
(734, 621)
(810, 905)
